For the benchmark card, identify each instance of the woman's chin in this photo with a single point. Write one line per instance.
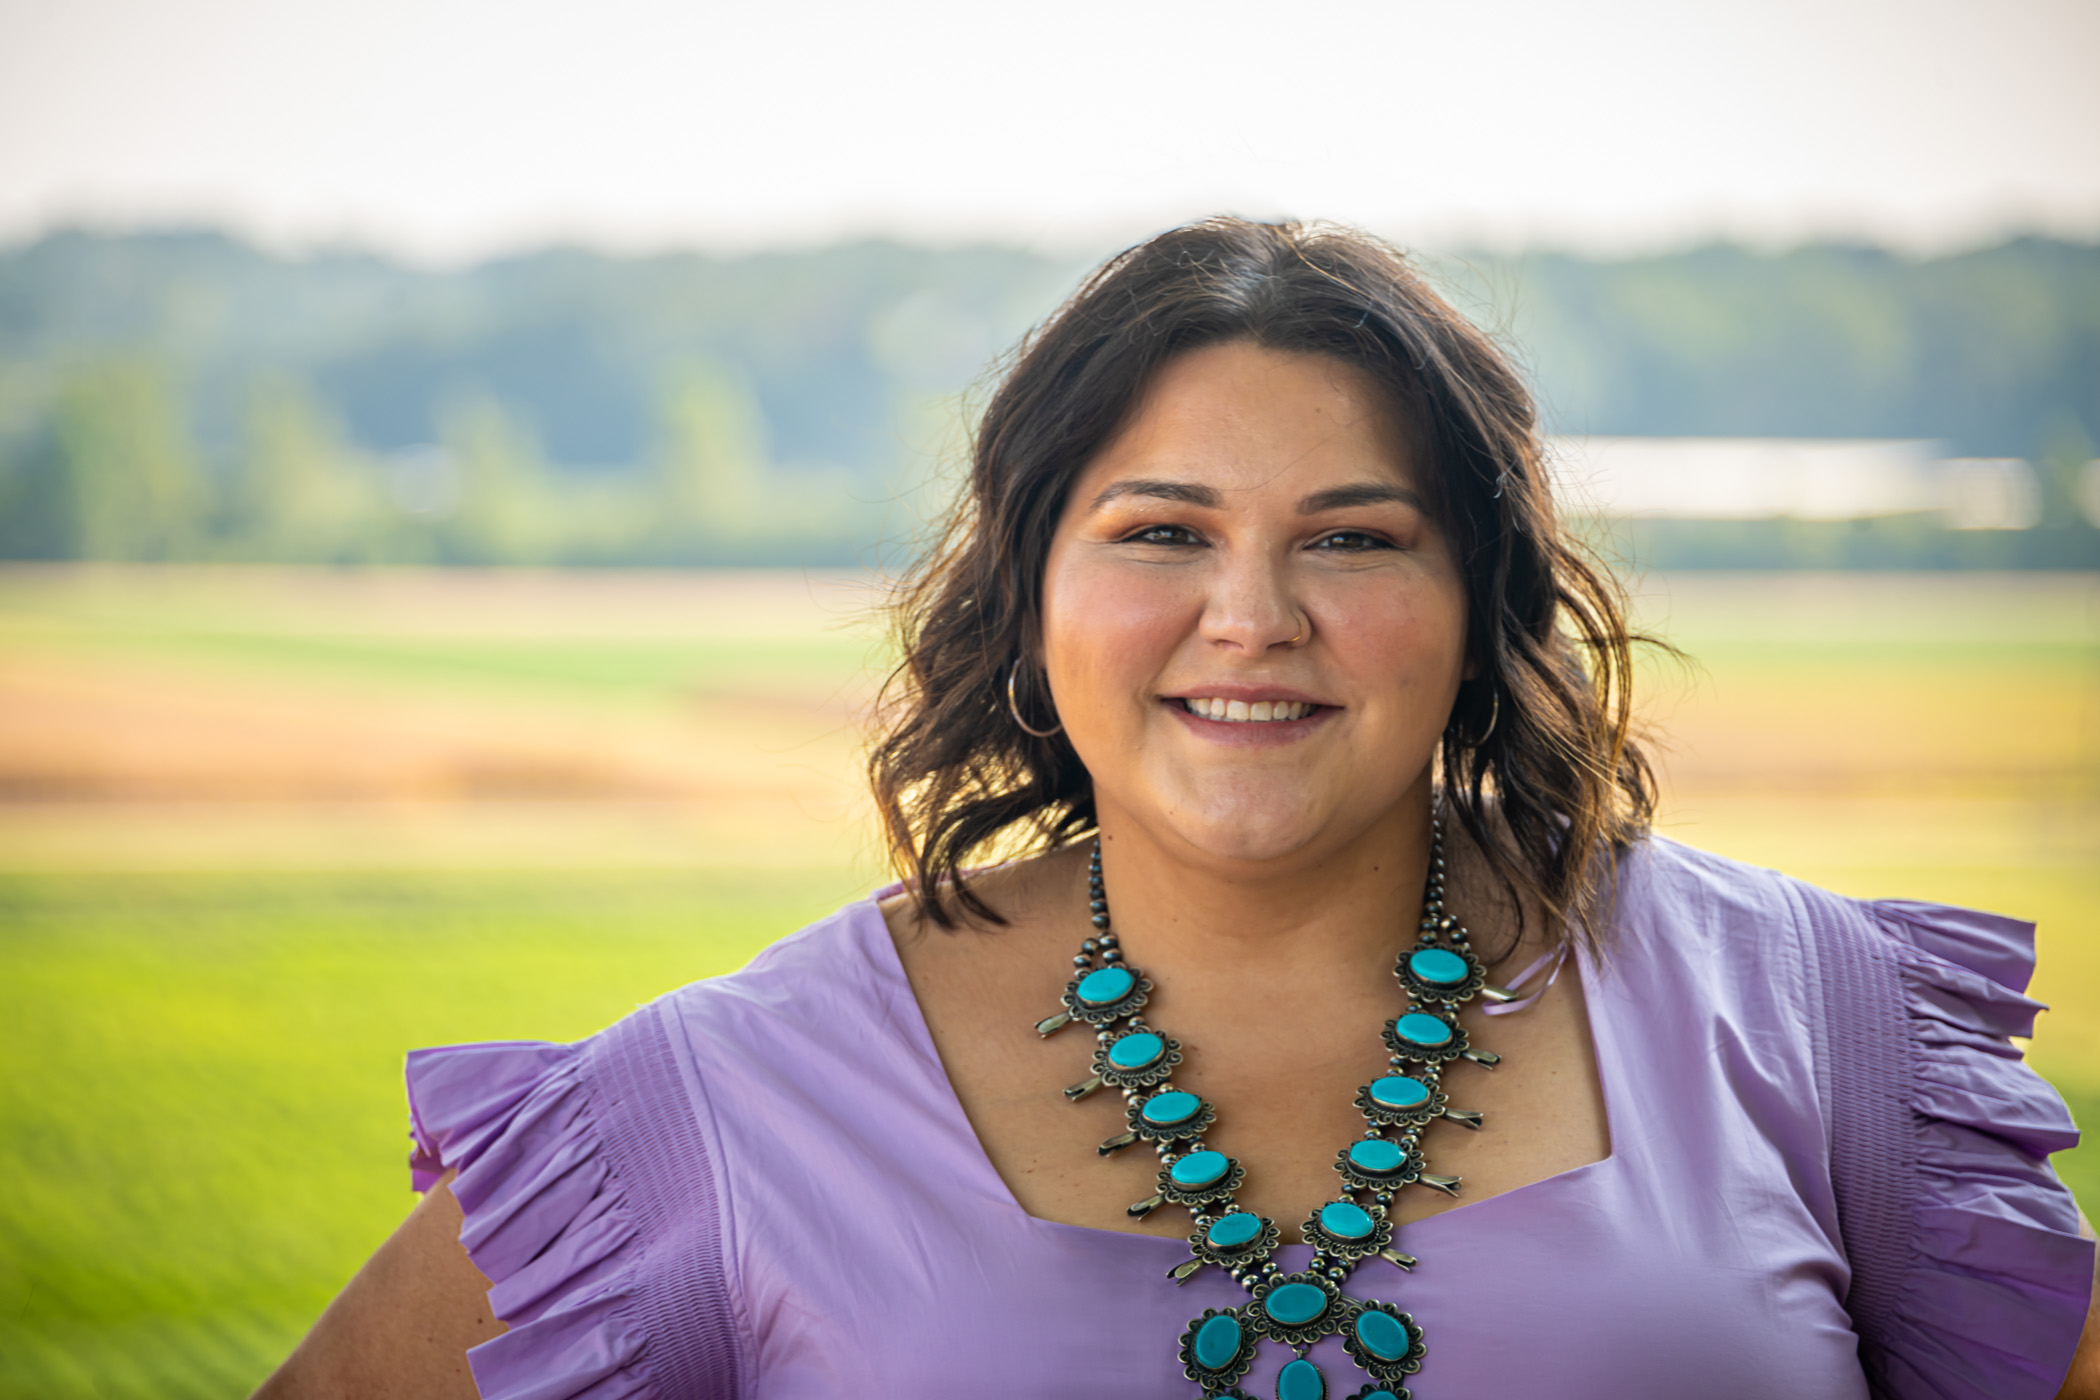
(1258, 823)
(1253, 838)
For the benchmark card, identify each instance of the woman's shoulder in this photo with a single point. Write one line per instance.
(827, 961)
(1964, 1247)
(1870, 981)
(812, 996)
(832, 990)
(592, 1175)
(1742, 908)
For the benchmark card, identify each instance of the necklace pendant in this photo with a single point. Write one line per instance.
(1384, 1341)
(1083, 1088)
(1301, 1380)
(1202, 1178)
(1217, 1349)
(1402, 1101)
(1399, 1260)
(1140, 1058)
(1106, 995)
(1138, 1210)
(1377, 1164)
(1439, 972)
(1181, 1273)
(1343, 1230)
(1424, 1038)
(1299, 1309)
(1051, 1025)
(1115, 1144)
(1236, 1240)
(1171, 1116)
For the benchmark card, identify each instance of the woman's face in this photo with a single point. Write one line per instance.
(1255, 497)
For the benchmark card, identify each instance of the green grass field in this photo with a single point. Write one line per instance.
(201, 1121)
(202, 1128)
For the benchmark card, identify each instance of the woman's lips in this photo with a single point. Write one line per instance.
(1246, 712)
(1242, 722)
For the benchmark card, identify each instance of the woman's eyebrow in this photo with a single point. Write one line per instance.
(1187, 492)
(1369, 493)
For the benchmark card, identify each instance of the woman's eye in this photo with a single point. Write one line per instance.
(1163, 534)
(1350, 542)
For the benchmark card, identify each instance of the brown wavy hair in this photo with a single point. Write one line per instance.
(1540, 765)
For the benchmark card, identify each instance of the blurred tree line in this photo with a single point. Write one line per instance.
(187, 396)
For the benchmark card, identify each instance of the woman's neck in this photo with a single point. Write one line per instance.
(1330, 911)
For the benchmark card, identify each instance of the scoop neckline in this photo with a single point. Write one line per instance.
(914, 1025)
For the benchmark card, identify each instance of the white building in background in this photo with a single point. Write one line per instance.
(2089, 492)
(1794, 478)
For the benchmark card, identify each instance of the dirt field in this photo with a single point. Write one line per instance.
(221, 719)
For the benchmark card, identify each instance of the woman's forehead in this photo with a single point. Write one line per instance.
(1238, 418)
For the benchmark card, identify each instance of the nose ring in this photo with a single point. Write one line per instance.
(1299, 635)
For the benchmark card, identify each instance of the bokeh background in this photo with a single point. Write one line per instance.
(451, 454)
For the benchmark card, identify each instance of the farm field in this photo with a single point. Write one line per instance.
(262, 831)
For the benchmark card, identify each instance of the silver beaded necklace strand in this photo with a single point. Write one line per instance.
(1439, 974)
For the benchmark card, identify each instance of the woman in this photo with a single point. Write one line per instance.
(1256, 644)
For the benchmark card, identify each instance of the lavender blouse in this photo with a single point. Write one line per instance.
(1827, 1178)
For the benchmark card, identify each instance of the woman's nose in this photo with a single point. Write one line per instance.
(1251, 610)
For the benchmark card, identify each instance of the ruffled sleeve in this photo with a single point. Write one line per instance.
(1972, 1283)
(545, 1218)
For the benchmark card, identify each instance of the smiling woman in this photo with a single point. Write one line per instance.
(1256, 617)
(1256, 502)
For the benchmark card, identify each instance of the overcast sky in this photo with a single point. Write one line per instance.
(449, 129)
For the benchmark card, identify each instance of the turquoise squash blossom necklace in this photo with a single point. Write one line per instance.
(1439, 975)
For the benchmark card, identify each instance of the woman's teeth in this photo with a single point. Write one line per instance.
(1242, 712)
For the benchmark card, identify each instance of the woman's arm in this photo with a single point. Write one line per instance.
(401, 1328)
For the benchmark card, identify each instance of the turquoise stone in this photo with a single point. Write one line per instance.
(1381, 1335)
(1377, 1156)
(1136, 1051)
(1379, 1394)
(1399, 1091)
(1439, 967)
(1199, 1169)
(1301, 1380)
(1295, 1304)
(1420, 1028)
(1217, 1342)
(1165, 1110)
(1346, 1220)
(1105, 985)
(1234, 1231)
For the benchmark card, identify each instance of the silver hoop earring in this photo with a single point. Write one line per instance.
(1013, 706)
(1494, 717)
